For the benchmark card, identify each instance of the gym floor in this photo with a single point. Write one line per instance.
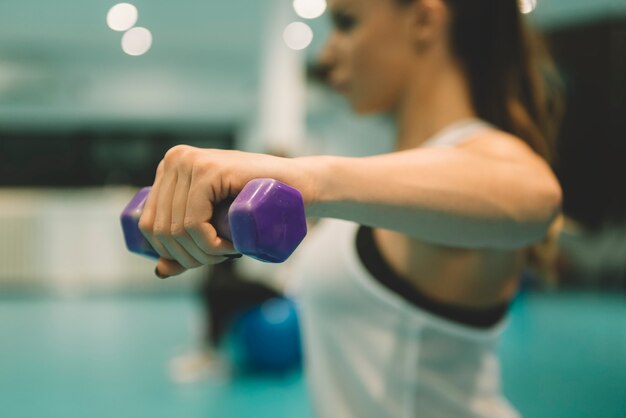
(563, 355)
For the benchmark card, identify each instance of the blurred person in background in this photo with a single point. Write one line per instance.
(404, 289)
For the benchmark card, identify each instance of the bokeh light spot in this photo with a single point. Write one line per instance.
(137, 41)
(122, 16)
(298, 35)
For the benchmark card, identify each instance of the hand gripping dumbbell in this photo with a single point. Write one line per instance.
(266, 221)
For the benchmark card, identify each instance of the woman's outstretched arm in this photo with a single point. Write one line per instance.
(493, 192)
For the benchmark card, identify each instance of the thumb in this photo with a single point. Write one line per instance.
(166, 268)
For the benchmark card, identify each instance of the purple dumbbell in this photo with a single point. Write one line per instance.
(266, 221)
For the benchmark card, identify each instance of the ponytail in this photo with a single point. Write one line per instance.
(513, 82)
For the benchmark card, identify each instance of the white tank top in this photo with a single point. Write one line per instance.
(369, 353)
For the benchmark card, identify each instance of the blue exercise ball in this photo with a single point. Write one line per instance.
(268, 337)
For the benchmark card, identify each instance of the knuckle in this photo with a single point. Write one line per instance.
(160, 230)
(177, 231)
(161, 167)
(175, 153)
(145, 226)
(191, 225)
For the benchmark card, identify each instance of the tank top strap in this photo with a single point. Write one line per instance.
(457, 133)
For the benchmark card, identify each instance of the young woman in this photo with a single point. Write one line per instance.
(404, 291)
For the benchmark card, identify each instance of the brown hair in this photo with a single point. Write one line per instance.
(514, 86)
(513, 82)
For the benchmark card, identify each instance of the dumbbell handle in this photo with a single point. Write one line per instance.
(268, 218)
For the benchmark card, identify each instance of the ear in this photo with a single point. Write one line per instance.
(427, 21)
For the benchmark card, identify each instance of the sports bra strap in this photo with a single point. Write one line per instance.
(457, 133)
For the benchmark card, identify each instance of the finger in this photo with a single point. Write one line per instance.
(178, 230)
(163, 223)
(205, 237)
(198, 213)
(147, 219)
(162, 219)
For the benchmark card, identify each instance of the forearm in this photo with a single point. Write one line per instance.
(441, 196)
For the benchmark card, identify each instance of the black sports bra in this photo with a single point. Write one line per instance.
(373, 261)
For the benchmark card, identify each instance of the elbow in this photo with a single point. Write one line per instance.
(540, 210)
(554, 197)
(549, 204)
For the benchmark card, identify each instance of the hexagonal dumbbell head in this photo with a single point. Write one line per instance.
(267, 220)
(135, 241)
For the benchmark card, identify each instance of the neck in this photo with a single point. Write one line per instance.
(436, 97)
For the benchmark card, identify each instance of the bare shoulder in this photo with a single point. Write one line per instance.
(503, 146)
